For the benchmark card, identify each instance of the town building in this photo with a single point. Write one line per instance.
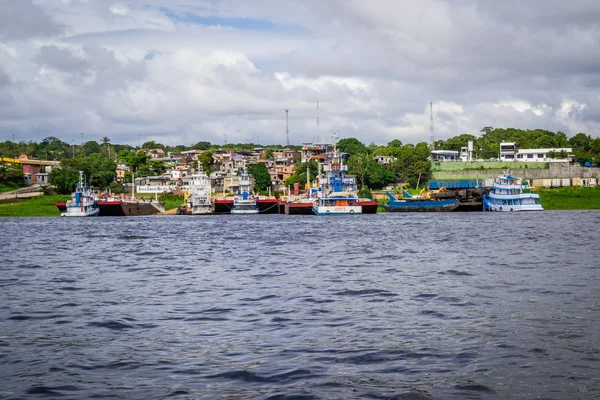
(509, 151)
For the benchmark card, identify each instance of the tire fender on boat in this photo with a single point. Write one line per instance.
(351, 211)
(500, 208)
(511, 209)
(327, 212)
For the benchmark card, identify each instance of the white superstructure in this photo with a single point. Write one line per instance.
(511, 194)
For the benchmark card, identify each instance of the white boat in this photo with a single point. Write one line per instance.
(245, 202)
(338, 194)
(510, 193)
(83, 201)
(198, 193)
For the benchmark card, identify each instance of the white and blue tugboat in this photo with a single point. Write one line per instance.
(245, 202)
(338, 192)
(509, 193)
(83, 201)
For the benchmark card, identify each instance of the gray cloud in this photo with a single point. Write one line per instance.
(132, 70)
(21, 20)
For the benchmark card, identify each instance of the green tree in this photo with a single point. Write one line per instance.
(395, 143)
(262, 177)
(206, 160)
(351, 146)
(201, 146)
(358, 165)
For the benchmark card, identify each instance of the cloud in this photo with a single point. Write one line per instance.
(21, 20)
(216, 70)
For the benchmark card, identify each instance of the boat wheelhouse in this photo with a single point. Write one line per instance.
(245, 202)
(82, 203)
(510, 193)
(338, 191)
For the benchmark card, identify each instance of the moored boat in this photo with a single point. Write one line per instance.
(510, 193)
(82, 203)
(245, 202)
(198, 193)
(416, 204)
(337, 194)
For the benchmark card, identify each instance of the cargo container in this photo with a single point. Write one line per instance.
(537, 183)
(576, 182)
(565, 182)
(555, 182)
(547, 183)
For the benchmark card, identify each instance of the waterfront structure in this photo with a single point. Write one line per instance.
(510, 193)
(82, 202)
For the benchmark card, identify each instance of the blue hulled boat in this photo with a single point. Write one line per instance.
(417, 204)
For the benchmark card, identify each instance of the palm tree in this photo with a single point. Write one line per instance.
(106, 141)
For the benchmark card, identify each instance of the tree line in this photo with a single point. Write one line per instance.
(402, 163)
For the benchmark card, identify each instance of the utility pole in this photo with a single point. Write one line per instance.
(14, 147)
(287, 132)
(82, 145)
(318, 140)
(431, 128)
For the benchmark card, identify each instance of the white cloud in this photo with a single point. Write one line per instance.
(212, 68)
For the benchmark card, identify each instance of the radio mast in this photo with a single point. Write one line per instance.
(287, 132)
(318, 134)
(431, 128)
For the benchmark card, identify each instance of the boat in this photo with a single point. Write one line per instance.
(82, 203)
(245, 202)
(418, 204)
(337, 194)
(110, 206)
(198, 193)
(510, 193)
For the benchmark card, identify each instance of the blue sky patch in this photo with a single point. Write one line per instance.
(253, 24)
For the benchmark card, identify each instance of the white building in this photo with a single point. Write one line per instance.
(510, 152)
(444, 155)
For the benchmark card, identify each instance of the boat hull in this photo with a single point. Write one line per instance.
(337, 210)
(421, 206)
(80, 212)
(118, 208)
(514, 208)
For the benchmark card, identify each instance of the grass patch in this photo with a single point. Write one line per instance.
(570, 198)
(8, 187)
(171, 200)
(40, 206)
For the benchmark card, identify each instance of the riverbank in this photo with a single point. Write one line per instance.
(45, 206)
(570, 198)
(39, 206)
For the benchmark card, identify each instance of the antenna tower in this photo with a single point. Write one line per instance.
(287, 132)
(318, 135)
(431, 128)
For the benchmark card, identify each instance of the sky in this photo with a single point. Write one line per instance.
(184, 71)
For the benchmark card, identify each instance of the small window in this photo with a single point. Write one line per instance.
(529, 155)
(540, 156)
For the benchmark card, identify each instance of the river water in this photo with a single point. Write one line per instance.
(386, 306)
